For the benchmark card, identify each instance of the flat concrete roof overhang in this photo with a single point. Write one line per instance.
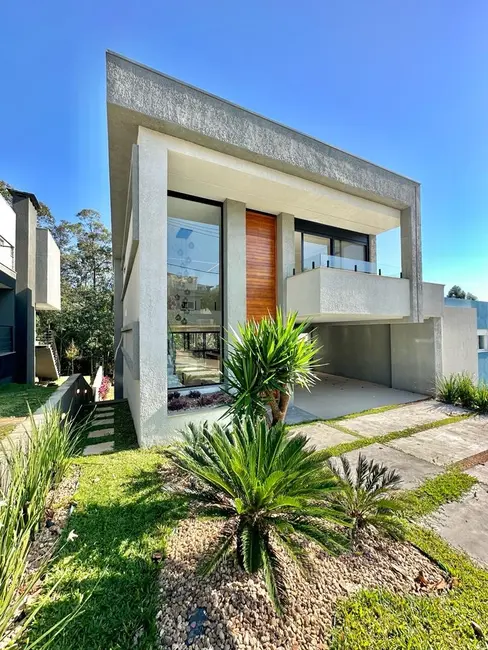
(139, 96)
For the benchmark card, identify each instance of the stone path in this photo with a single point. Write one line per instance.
(102, 426)
(403, 417)
(423, 455)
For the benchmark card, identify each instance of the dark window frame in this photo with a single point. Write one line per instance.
(331, 232)
(216, 204)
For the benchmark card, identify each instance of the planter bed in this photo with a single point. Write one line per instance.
(179, 402)
(236, 605)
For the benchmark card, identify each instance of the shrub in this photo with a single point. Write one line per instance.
(271, 490)
(466, 390)
(366, 499)
(206, 400)
(194, 394)
(32, 469)
(480, 397)
(174, 394)
(266, 359)
(447, 389)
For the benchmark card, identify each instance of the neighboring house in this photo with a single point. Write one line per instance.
(219, 215)
(29, 282)
(480, 344)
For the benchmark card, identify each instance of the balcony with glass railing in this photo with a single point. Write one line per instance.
(322, 260)
(333, 288)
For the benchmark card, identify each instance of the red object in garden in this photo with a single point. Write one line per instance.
(104, 387)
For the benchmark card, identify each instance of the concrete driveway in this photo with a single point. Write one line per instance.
(333, 397)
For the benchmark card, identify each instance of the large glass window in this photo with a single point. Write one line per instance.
(316, 250)
(194, 295)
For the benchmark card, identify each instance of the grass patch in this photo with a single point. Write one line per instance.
(344, 447)
(15, 399)
(373, 411)
(122, 517)
(446, 487)
(124, 434)
(380, 620)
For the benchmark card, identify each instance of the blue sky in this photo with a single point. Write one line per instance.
(402, 84)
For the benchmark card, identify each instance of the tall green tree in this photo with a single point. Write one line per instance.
(456, 292)
(86, 316)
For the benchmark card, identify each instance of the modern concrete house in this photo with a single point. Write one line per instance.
(476, 346)
(29, 282)
(219, 215)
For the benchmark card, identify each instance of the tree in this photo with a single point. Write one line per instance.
(72, 353)
(86, 315)
(456, 292)
(44, 217)
(266, 359)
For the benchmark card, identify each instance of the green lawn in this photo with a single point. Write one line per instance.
(122, 517)
(15, 399)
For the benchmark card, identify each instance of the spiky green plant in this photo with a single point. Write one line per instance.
(31, 468)
(447, 389)
(366, 496)
(272, 490)
(480, 397)
(467, 390)
(265, 361)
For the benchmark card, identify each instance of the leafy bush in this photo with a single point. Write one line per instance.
(174, 394)
(272, 490)
(194, 394)
(480, 398)
(447, 389)
(32, 469)
(266, 359)
(366, 498)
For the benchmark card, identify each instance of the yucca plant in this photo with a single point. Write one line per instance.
(366, 496)
(265, 361)
(272, 490)
(447, 389)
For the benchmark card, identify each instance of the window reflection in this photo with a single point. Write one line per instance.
(194, 296)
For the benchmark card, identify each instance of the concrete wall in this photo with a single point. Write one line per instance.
(415, 356)
(357, 351)
(459, 341)
(324, 293)
(7, 231)
(74, 393)
(433, 300)
(234, 249)
(130, 311)
(48, 272)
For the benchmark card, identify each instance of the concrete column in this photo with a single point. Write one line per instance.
(285, 258)
(153, 326)
(372, 249)
(25, 289)
(234, 249)
(411, 246)
(118, 318)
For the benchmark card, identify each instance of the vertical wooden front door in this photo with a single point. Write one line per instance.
(260, 265)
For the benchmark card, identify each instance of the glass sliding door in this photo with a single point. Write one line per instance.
(194, 292)
(316, 250)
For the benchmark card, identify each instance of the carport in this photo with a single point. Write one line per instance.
(334, 396)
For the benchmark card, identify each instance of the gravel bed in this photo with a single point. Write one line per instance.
(58, 507)
(240, 614)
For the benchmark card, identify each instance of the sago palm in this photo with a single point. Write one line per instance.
(266, 359)
(366, 496)
(272, 490)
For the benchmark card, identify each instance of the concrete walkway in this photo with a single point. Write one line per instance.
(423, 455)
(102, 426)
